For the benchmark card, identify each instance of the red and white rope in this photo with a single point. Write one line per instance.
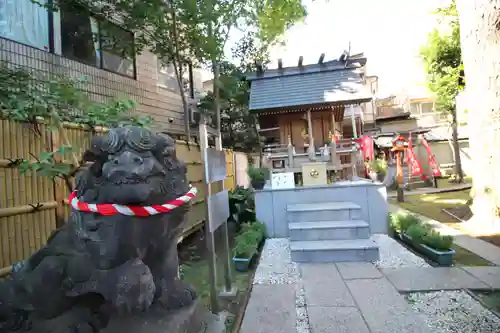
(114, 209)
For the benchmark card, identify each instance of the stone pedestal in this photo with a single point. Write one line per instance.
(157, 320)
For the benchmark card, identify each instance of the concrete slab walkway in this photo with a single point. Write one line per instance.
(353, 297)
(361, 297)
(444, 278)
(324, 298)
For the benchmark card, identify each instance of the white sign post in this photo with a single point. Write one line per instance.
(217, 209)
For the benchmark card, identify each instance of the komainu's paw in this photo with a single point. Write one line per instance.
(175, 295)
(134, 289)
(127, 288)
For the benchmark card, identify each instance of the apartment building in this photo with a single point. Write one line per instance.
(65, 42)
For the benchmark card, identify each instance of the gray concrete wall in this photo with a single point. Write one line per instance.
(271, 204)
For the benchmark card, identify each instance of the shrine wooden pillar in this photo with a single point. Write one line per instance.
(333, 145)
(310, 150)
(353, 123)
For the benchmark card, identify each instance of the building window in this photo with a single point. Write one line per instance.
(75, 34)
(25, 22)
(96, 42)
(167, 78)
(427, 107)
(79, 36)
(117, 49)
(414, 109)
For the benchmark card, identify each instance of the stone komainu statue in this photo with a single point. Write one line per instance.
(98, 265)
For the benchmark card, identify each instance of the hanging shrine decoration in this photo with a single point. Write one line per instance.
(413, 162)
(436, 172)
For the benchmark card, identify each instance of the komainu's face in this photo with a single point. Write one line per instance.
(135, 167)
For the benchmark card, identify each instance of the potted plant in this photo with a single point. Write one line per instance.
(258, 230)
(243, 251)
(257, 177)
(241, 205)
(377, 169)
(248, 242)
(438, 248)
(400, 223)
(429, 242)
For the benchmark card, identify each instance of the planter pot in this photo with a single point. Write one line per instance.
(242, 264)
(376, 176)
(443, 258)
(258, 184)
(262, 242)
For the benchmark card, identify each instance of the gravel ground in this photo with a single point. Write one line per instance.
(394, 255)
(444, 311)
(276, 267)
(454, 311)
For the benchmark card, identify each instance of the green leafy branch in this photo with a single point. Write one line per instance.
(54, 100)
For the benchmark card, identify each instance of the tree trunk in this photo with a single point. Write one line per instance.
(480, 41)
(456, 147)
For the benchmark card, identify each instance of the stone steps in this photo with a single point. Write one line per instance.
(334, 250)
(329, 232)
(323, 211)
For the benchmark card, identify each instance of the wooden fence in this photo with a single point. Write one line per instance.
(31, 204)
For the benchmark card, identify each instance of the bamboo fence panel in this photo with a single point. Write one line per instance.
(31, 205)
(22, 231)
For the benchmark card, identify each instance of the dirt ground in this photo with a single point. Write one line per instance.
(195, 269)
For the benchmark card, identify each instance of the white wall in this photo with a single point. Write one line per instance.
(443, 152)
(240, 169)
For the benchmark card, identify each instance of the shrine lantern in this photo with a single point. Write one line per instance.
(399, 144)
(398, 147)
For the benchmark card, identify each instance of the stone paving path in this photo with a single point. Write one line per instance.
(338, 298)
(444, 278)
(355, 297)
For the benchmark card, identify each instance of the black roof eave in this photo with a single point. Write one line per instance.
(329, 66)
(404, 116)
(309, 106)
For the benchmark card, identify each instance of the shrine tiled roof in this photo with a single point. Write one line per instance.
(328, 83)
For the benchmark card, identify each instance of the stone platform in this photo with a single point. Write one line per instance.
(189, 320)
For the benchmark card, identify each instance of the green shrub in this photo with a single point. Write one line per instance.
(245, 246)
(241, 205)
(257, 228)
(417, 232)
(247, 242)
(424, 234)
(379, 166)
(401, 222)
(257, 174)
(435, 240)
